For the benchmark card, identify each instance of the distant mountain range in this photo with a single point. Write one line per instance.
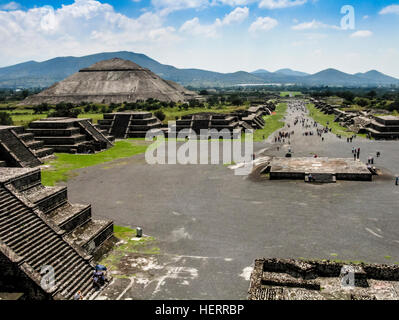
(43, 74)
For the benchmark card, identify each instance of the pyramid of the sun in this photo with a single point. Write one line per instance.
(112, 81)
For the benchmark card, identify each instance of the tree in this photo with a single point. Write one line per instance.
(371, 94)
(67, 110)
(160, 115)
(5, 119)
(362, 102)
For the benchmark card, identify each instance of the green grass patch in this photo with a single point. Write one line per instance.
(273, 123)
(127, 244)
(25, 119)
(62, 167)
(94, 116)
(323, 119)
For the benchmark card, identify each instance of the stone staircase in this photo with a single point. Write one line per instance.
(129, 124)
(102, 140)
(19, 149)
(39, 225)
(120, 125)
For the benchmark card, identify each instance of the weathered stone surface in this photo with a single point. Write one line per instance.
(323, 282)
(19, 149)
(112, 81)
(70, 135)
(40, 227)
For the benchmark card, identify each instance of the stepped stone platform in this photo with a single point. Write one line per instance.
(321, 169)
(124, 125)
(253, 117)
(384, 127)
(194, 123)
(282, 279)
(19, 149)
(70, 135)
(112, 81)
(39, 226)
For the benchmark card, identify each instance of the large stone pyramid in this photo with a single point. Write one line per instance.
(112, 81)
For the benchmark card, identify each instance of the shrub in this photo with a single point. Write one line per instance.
(5, 119)
(160, 115)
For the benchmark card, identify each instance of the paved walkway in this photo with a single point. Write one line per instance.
(211, 225)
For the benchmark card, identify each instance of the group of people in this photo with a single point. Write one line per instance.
(356, 153)
(99, 279)
(282, 136)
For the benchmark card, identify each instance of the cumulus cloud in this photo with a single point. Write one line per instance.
(194, 27)
(10, 6)
(236, 16)
(85, 26)
(279, 4)
(394, 8)
(167, 6)
(361, 34)
(263, 24)
(313, 25)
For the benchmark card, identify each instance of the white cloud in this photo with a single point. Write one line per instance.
(279, 4)
(361, 34)
(394, 8)
(263, 24)
(10, 6)
(194, 27)
(236, 16)
(168, 6)
(313, 25)
(233, 3)
(86, 26)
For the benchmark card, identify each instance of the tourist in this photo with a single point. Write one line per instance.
(78, 296)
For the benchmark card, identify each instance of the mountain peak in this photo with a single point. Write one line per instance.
(260, 71)
(290, 72)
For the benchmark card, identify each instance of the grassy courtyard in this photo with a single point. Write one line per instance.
(60, 169)
(117, 261)
(273, 123)
(323, 119)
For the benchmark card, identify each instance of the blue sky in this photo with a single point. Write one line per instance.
(218, 35)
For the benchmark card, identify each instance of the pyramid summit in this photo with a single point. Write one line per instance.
(112, 81)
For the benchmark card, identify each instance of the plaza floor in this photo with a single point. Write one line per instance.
(210, 225)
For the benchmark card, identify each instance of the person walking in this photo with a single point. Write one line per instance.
(397, 180)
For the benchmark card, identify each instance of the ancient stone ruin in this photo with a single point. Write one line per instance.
(377, 127)
(112, 81)
(19, 149)
(313, 170)
(384, 127)
(70, 135)
(194, 123)
(282, 279)
(253, 117)
(40, 227)
(124, 125)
